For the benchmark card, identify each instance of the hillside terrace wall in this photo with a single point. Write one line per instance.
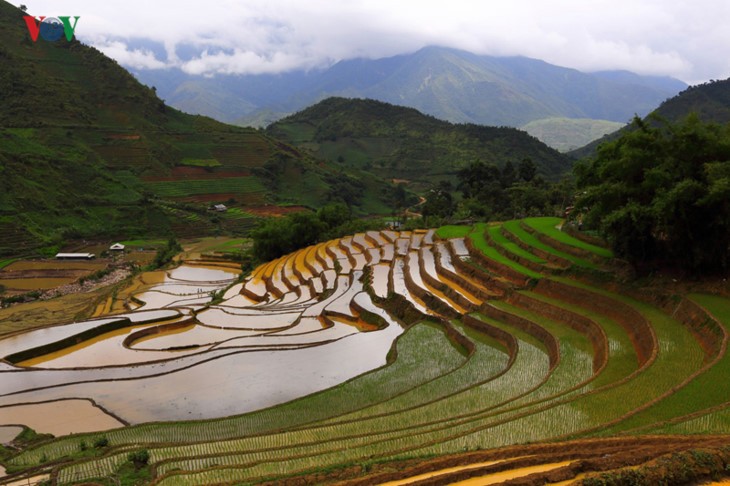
(595, 333)
(636, 326)
(494, 266)
(559, 261)
(526, 325)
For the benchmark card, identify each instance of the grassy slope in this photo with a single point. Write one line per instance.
(401, 143)
(87, 151)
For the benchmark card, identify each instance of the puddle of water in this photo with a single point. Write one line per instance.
(390, 235)
(330, 279)
(202, 274)
(373, 255)
(216, 317)
(363, 242)
(428, 237)
(360, 261)
(103, 350)
(321, 336)
(289, 274)
(414, 271)
(193, 335)
(312, 261)
(444, 257)
(346, 244)
(378, 238)
(7, 434)
(341, 305)
(60, 418)
(387, 252)
(317, 285)
(304, 326)
(27, 481)
(154, 299)
(459, 247)
(429, 264)
(47, 335)
(399, 287)
(345, 266)
(402, 246)
(440, 472)
(511, 474)
(381, 274)
(234, 383)
(324, 257)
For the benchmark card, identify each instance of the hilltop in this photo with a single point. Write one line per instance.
(89, 152)
(710, 101)
(403, 144)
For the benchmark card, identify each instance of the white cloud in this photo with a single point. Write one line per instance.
(671, 37)
(134, 58)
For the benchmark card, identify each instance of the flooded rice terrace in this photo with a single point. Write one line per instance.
(293, 327)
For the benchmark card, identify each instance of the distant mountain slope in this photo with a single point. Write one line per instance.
(711, 102)
(450, 84)
(86, 151)
(565, 134)
(402, 143)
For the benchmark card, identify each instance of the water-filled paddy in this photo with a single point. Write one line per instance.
(293, 328)
(61, 417)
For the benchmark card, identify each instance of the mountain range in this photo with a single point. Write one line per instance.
(88, 152)
(449, 84)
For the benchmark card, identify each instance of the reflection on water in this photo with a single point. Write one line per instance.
(60, 418)
(296, 321)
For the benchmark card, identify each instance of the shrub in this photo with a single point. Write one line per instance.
(139, 458)
(101, 442)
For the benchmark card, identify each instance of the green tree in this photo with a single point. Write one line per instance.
(662, 194)
(527, 169)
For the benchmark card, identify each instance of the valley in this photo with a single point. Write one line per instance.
(396, 281)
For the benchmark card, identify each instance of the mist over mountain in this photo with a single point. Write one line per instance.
(710, 101)
(449, 84)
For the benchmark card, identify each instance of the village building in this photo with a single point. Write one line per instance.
(75, 256)
(117, 247)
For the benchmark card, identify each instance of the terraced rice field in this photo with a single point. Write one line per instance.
(365, 352)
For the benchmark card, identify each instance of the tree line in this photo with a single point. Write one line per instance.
(660, 194)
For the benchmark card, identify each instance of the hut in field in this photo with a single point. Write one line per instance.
(117, 247)
(75, 256)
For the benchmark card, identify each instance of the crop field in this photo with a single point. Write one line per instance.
(184, 188)
(492, 352)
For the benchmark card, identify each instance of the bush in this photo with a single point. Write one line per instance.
(101, 442)
(139, 458)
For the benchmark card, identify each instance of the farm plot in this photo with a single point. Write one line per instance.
(511, 353)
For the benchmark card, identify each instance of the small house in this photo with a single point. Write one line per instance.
(74, 256)
(221, 208)
(117, 247)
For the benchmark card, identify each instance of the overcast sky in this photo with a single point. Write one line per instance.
(687, 39)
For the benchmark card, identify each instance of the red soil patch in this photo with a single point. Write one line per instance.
(266, 211)
(586, 456)
(210, 197)
(122, 137)
(197, 173)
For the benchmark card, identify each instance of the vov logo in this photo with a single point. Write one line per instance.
(51, 28)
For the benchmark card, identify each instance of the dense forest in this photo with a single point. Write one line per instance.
(660, 194)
